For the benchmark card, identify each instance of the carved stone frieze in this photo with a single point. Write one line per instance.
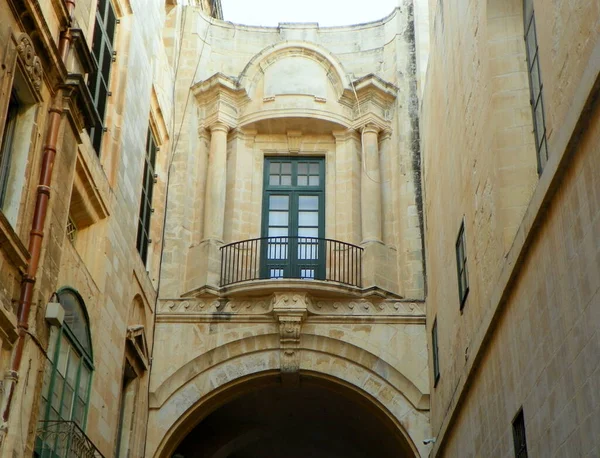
(364, 307)
(30, 61)
(261, 306)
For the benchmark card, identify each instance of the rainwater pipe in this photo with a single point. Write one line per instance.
(36, 235)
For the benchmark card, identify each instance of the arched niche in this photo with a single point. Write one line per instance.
(304, 57)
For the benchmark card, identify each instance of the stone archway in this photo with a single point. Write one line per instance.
(235, 371)
(320, 418)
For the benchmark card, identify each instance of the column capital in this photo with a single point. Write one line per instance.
(218, 127)
(370, 128)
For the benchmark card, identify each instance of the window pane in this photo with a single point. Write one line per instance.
(308, 218)
(286, 168)
(278, 232)
(111, 21)
(78, 411)
(74, 361)
(536, 86)
(314, 168)
(274, 168)
(278, 218)
(286, 180)
(302, 169)
(279, 202)
(302, 180)
(67, 402)
(308, 203)
(63, 355)
(314, 181)
(84, 380)
(531, 44)
(539, 120)
(308, 232)
(274, 180)
(57, 392)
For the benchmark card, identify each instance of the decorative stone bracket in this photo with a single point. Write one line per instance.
(290, 310)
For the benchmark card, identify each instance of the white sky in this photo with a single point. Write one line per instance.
(325, 12)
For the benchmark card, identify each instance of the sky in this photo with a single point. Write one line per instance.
(325, 12)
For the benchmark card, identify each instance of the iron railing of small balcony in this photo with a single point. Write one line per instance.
(307, 258)
(64, 439)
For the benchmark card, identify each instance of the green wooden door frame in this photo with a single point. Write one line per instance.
(294, 185)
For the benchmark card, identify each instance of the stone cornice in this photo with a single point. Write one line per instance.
(221, 100)
(269, 308)
(372, 101)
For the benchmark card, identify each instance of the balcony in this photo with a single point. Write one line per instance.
(306, 258)
(64, 439)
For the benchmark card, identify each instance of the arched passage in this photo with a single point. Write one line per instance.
(316, 418)
(216, 379)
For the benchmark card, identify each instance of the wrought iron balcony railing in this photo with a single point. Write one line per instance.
(64, 439)
(307, 258)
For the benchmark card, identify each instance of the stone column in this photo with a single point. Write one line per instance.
(216, 183)
(370, 186)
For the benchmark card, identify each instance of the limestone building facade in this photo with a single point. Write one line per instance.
(510, 130)
(221, 240)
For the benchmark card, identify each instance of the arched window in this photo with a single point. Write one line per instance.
(65, 393)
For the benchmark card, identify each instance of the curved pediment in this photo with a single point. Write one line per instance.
(306, 68)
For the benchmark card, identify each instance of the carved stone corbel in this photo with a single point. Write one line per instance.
(290, 310)
(30, 62)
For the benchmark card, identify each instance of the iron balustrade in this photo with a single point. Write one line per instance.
(63, 439)
(307, 258)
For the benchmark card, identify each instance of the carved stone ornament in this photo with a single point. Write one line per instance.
(290, 310)
(257, 306)
(364, 307)
(30, 61)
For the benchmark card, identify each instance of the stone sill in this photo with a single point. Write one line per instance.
(11, 245)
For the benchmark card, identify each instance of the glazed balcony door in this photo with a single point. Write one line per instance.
(293, 219)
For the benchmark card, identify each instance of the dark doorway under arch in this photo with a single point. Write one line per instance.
(316, 419)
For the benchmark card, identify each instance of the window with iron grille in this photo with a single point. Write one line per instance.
(6, 147)
(102, 52)
(71, 230)
(519, 435)
(67, 377)
(461, 266)
(435, 355)
(143, 236)
(535, 85)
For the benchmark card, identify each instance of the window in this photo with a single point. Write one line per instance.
(7, 145)
(535, 85)
(461, 266)
(293, 218)
(65, 392)
(434, 351)
(143, 236)
(519, 435)
(102, 51)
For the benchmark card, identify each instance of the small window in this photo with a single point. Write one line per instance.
(435, 355)
(519, 435)
(461, 266)
(535, 85)
(102, 52)
(143, 236)
(7, 145)
(71, 230)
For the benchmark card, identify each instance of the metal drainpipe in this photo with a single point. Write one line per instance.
(36, 235)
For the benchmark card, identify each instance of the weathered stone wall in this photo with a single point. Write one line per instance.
(527, 335)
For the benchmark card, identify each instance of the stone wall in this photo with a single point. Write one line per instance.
(527, 335)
